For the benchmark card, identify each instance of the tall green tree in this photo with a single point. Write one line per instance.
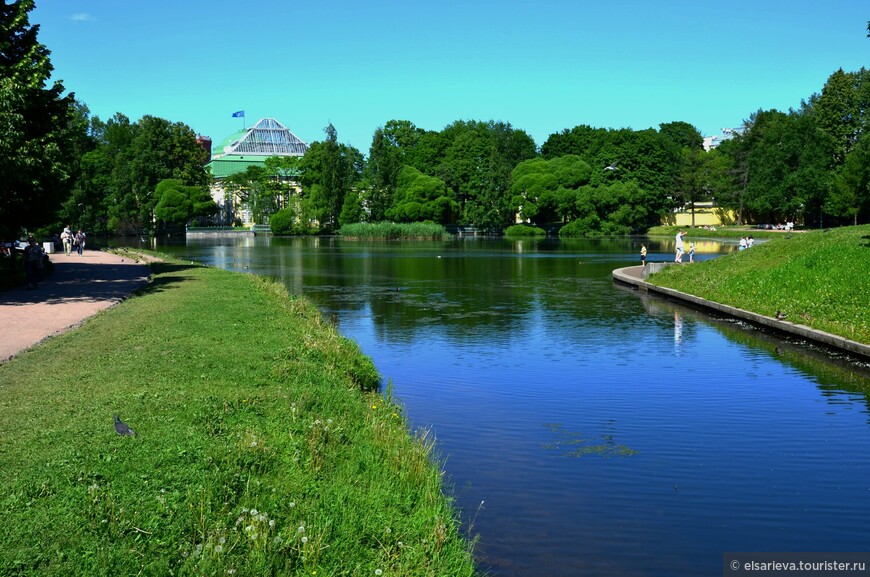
(850, 192)
(682, 134)
(391, 146)
(329, 171)
(842, 110)
(38, 131)
(790, 163)
(648, 157)
(115, 187)
(477, 163)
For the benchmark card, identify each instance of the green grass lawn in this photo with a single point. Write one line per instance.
(819, 279)
(262, 445)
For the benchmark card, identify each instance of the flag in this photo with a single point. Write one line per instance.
(239, 114)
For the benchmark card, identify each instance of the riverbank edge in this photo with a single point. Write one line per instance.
(632, 276)
(384, 417)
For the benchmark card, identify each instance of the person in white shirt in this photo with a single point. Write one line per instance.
(680, 250)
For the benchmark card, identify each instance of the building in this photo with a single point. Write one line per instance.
(704, 214)
(245, 148)
(711, 142)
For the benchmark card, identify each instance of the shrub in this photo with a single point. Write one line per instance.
(524, 230)
(282, 221)
(394, 231)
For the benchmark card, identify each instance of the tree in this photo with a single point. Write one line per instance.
(682, 134)
(850, 192)
(789, 163)
(390, 149)
(842, 110)
(545, 190)
(477, 163)
(329, 170)
(178, 204)
(38, 131)
(650, 158)
(420, 197)
(692, 184)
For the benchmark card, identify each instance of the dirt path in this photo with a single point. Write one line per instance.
(80, 287)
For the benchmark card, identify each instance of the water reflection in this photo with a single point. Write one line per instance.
(608, 431)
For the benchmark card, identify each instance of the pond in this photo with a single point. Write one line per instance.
(586, 428)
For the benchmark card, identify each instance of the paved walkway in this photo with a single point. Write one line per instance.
(80, 287)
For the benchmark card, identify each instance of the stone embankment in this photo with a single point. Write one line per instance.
(635, 275)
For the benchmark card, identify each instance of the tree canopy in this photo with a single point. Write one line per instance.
(38, 128)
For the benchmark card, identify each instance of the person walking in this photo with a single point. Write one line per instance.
(643, 255)
(691, 252)
(66, 237)
(680, 248)
(80, 241)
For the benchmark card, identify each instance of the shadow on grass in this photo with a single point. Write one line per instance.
(867, 238)
(165, 276)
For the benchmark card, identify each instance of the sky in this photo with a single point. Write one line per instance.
(541, 65)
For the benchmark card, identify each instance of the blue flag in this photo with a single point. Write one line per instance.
(239, 114)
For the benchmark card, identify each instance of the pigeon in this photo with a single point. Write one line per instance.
(122, 429)
(780, 315)
(611, 167)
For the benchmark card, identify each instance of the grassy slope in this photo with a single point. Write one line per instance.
(257, 451)
(819, 279)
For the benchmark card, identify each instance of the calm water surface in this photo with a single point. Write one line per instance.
(588, 429)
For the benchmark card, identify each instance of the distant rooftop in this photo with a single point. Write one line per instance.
(711, 142)
(268, 137)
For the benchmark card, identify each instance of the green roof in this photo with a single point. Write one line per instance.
(231, 139)
(223, 167)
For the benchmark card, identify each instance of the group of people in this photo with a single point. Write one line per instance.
(71, 240)
(745, 242)
(681, 250)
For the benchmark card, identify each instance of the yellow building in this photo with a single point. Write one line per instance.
(705, 214)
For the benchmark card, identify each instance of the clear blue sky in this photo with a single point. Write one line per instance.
(541, 65)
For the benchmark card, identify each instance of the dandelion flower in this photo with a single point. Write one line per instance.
(304, 540)
(222, 540)
(378, 572)
(254, 512)
(271, 522)
(292, 504)
(218, 548)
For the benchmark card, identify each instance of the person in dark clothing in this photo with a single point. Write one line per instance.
(33, 262)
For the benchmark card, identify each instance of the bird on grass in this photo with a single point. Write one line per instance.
(612, 166)
(122, 428)
(780, 315)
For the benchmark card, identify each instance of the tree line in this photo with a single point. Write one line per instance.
(810, 164)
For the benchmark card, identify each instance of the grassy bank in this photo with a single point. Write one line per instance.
(262, 447)
(818, 279)
(394, 231)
